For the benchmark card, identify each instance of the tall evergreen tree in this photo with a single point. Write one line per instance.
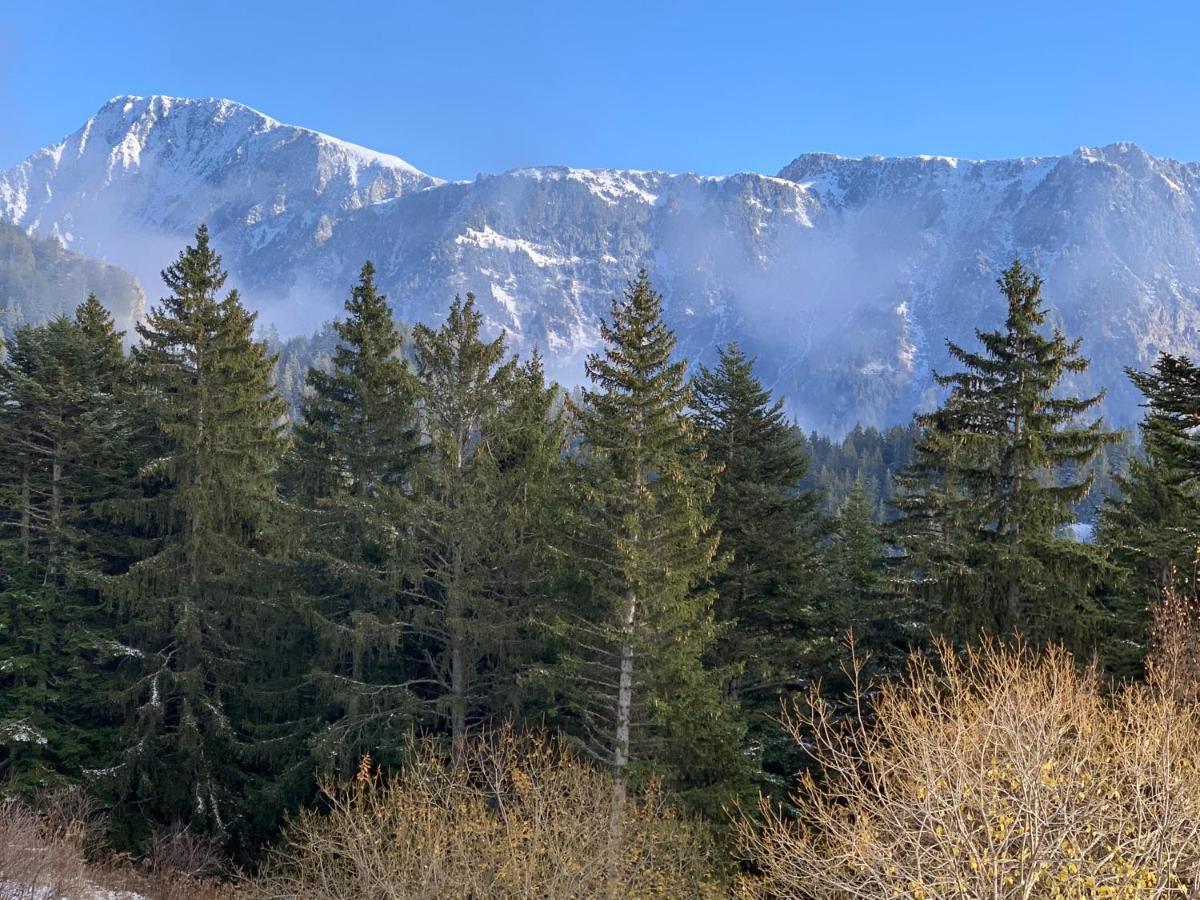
(466, 388)
(528, 449)
(208, 604)
(985, 502)
(640, 694)
(1152, 525)
(351, 463)
(357, 433)
(64, 436)
(767, 594)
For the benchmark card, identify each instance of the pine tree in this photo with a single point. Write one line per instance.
(354, 453)
(767, 595)
(985, 502)
(65, 439)
(640, 696)
(1152, 526)
(208, 605)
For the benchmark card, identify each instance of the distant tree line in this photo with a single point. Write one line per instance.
(207, 601)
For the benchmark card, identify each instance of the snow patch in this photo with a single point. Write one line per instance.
(21, 732)
(612, 186)
(488, 239)
(90, 892)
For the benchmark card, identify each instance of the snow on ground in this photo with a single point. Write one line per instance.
(11, 890)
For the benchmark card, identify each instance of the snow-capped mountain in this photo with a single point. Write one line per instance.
(844, 276)
(133, 182)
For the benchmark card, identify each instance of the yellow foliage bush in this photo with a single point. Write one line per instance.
(517, 817)
(1003, 773)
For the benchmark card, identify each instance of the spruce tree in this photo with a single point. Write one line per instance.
(860, 597)
(466, 387)
(1152, 525)
(640, 696)
(350, 465)
(208, 731)
(768, 593)
(528, 449)
(357, 430)
(64, 439)
(984, 504)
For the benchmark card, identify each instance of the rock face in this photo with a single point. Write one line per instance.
(844, 276)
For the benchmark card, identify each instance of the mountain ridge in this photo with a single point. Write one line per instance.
(843, 275)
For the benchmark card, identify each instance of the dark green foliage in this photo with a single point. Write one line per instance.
(860, 596)
(865, 455)
(530, 500)
(769, 599)
(64, 443)
(1152, 526)
(640, 695)
(209, 716)
(352, 460)
(357, 435)
(197, 621)
(875, 457)
(494, 450)
(984, 504)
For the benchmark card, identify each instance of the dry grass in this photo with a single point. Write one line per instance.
(39, 857)
(519, 817)
(121, 876)
(49, 849)
(1005, 774)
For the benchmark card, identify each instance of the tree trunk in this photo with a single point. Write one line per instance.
(458, 675)
(25, 513)
(56, 524)
(455, 613)
(1013, 599)
(624, 710)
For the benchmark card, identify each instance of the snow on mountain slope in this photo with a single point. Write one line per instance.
(844, 276)
(1112, 230)
(133, 182)
(545, 250)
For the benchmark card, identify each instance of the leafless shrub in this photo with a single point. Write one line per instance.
(45, 846)
(1174, 662)
(1003, 773)
(517, 817)
(177, 849)
(70, 809)
(38, 858)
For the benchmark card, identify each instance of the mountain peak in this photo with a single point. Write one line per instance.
(167, 163)
(842, 275)
(1123, 152)
(134, 105)
(807, 166)
(217, 112)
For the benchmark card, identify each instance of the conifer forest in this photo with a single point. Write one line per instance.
(422, 623)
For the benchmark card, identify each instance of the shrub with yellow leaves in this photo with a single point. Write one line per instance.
(1002, 773)
(516, 816)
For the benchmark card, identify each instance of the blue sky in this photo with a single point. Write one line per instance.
(462, 88)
